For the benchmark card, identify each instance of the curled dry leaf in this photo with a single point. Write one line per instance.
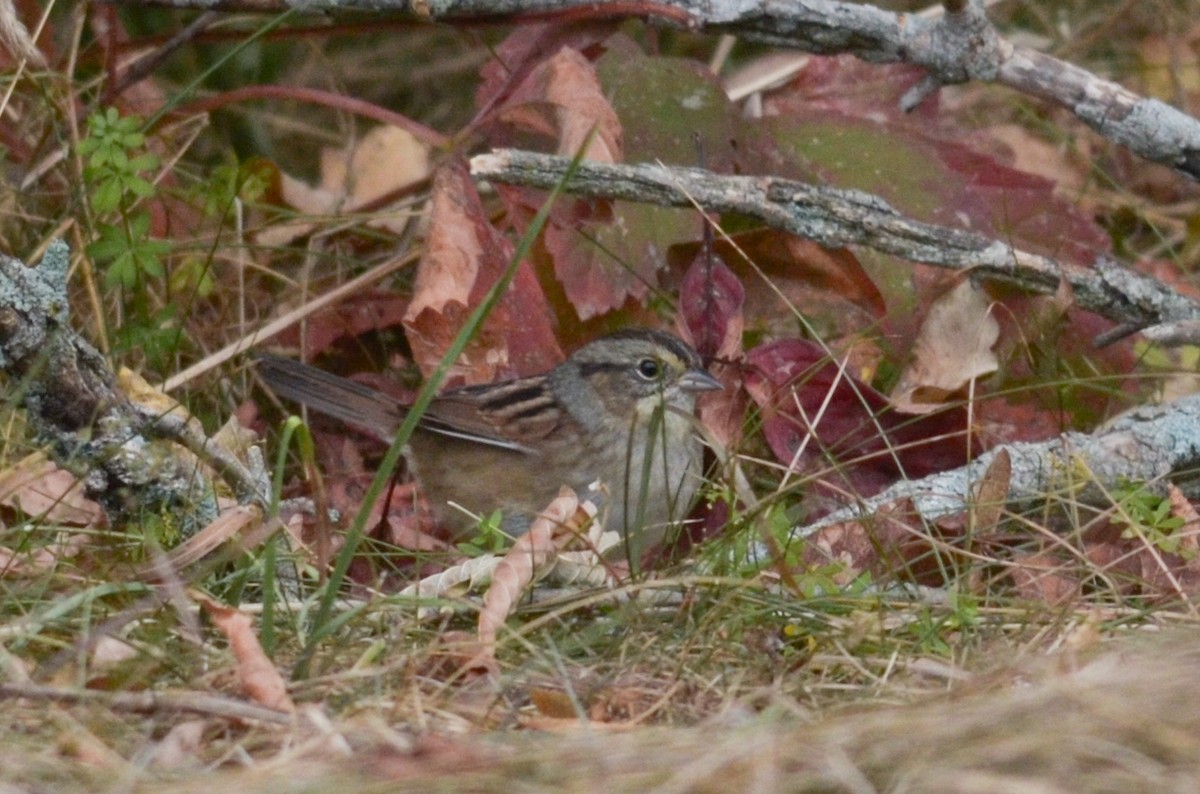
(524, 562)
(566, 568)
(261, 681)
(953, 348)
(472, 573)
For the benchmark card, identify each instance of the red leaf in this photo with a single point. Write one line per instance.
(350, 317)
(710, 307)
(827, 286)
(464, 258)
(527, 48)
(813, 409)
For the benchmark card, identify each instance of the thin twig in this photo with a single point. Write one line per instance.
(836, 218)
(960, 46)
(143, 702)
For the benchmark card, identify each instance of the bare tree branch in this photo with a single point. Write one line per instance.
(130, 454)
(959, 46)
(1150, 444)
(836, 218)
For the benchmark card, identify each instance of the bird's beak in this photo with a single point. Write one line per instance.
(699, 380)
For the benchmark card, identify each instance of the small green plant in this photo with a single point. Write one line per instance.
(117, 165)
(488, 539)
(116, 174)
(1148, 515)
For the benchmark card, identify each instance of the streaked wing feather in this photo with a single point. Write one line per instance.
(515, 415)
(512, 415)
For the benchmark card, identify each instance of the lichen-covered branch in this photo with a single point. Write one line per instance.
(836, 218)
(131, 455)
(1151, 444)
(956, 47)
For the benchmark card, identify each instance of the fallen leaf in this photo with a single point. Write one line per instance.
(464, 258)
(815, 412)
(180, 746)
(568, 84)
(1043, 576)
(261, 681)
(387, 159)
(952, 349)
(350, 317)
(826, 285)
(522, 564)
(990, 494)
(37, 487)
(110, 651)
(710, 308)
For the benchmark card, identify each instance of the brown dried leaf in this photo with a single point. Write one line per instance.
(455, 249)
(891, 541)
(991, 493)
(582, 111)
(828, 286)
(527, 49)
(561, 98)
(385, 160)
(261, 681)
(37, 487)
(1036, 155)
(1042, 576)
(464, 258)
(41, 559)
(458, 655)
(111, 651)
(524, 561)
(352, 316)
(553, 703)
(953, 348)
(710, 308)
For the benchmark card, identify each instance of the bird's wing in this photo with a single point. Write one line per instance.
(516, 414)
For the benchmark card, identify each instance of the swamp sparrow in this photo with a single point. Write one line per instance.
(618, 410)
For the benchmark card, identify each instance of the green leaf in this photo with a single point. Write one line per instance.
(144, 162)
(139, 224)
(122, 272)
(139, 187)
(106, 196)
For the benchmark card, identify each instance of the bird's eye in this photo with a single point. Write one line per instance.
(649, 369)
